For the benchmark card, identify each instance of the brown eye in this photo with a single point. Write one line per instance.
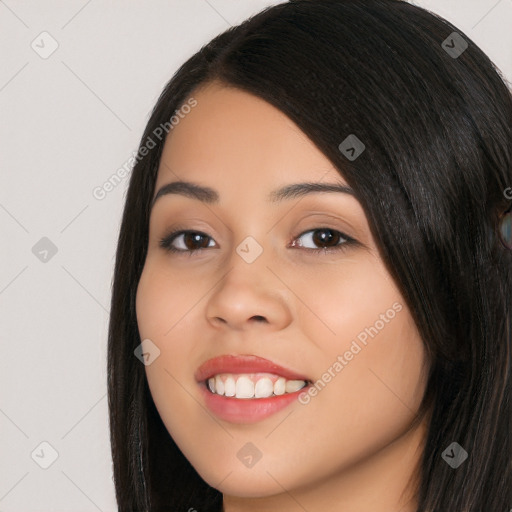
(323, 240)
(325, 237)
(189, 241)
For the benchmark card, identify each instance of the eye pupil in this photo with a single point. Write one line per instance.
(194, 237)
(325, 239)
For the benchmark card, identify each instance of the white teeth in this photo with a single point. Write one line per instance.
(230, 387)
(245, 386)
(293, 385)
(219, 385)
(264, 388)
(280, 386)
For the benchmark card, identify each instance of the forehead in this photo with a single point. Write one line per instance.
(231, 136)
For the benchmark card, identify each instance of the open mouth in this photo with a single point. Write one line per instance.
(253, 385)
(247, 388)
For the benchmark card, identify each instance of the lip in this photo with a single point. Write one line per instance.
(245, 410)
(244, 364)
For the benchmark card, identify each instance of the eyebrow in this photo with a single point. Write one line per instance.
(210, 196)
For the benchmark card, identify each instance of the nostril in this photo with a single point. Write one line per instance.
(259, 318)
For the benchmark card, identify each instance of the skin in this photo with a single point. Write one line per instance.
(353, 447)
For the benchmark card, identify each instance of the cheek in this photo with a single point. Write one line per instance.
(370, 360)
(149, 300)
(346, 302)
(376, 395)
(162, 304)
(163, 301)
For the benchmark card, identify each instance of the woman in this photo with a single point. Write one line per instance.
(311, 300)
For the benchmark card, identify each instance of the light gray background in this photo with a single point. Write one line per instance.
(68, 122)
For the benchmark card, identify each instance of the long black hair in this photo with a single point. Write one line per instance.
(435, 116)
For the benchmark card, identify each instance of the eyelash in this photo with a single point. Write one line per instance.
(165, 243)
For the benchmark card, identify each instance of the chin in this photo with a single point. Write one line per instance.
(244, 483)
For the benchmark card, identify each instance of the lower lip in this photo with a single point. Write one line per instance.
(247, 410)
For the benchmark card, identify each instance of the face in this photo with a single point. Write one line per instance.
(296, 280)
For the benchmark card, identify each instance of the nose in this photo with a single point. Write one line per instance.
(249, 295)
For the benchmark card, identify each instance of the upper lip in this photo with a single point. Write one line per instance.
(243, 364)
